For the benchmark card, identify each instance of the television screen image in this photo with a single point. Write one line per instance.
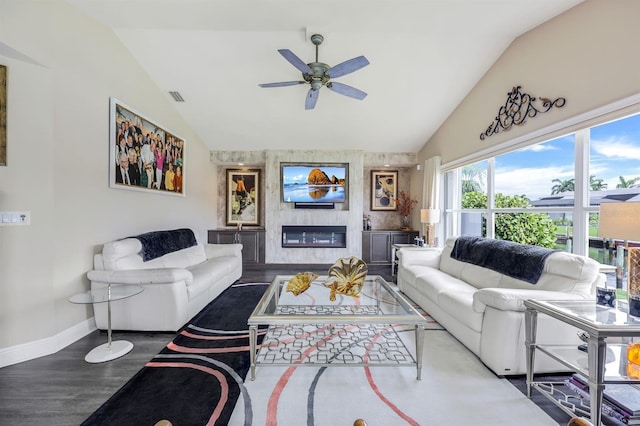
(311, 183)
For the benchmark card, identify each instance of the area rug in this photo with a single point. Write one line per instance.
(198, 379)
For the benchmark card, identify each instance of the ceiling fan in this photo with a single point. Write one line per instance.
(318, 74)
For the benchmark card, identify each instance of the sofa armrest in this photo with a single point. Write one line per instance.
(141, 276)
(511, 299)
(422, 256)
(219, 250)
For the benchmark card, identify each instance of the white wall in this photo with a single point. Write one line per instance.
(586, 55)
(62, 69)
(274, 213)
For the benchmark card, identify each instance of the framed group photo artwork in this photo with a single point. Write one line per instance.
(384, 189)
(243, 197)
(144, 156)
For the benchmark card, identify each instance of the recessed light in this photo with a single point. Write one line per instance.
(386, 165)
(240, 164)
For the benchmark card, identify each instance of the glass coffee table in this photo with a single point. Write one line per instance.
(311, 330)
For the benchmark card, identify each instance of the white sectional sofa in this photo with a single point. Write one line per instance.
(179, 275)
(484, 309)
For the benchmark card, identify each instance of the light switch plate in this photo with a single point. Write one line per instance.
(15, 218)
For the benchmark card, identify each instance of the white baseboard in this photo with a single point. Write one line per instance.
(27, 351)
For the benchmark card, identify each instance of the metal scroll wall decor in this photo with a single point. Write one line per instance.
(518, 107)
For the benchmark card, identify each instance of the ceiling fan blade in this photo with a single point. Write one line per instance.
(345, 89)
(347, 67)
(312, 98)
(295, 61)
(282, 84)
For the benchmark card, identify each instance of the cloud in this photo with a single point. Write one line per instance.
(616, 148)
(534, 182)
(539, 147)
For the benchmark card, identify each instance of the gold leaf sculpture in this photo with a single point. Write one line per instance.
(300, 282)
(346, 277)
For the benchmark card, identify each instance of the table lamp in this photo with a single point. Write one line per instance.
(621, 220)
(429, 217)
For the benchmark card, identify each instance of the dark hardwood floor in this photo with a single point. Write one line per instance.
(62, 389)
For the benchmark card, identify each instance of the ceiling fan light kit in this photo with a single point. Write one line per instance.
(318, 74)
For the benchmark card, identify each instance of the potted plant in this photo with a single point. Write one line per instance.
(405, 205)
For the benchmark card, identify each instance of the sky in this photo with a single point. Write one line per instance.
(299, 174)
(615, 151)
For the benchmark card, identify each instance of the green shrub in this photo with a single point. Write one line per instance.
(526, 228)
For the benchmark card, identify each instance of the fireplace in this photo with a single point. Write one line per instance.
(314, 236)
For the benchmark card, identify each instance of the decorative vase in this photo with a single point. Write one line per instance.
(405, 222)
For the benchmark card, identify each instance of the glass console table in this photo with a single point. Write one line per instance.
(112, 349)
(599, 323)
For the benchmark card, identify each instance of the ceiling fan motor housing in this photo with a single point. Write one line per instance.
(319, 77)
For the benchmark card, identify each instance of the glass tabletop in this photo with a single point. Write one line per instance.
(378, 302)
(588, 311)
(101, 295)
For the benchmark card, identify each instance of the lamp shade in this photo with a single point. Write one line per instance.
(620, 221)
(429, 216)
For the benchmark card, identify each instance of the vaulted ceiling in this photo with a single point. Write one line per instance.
(424, 55)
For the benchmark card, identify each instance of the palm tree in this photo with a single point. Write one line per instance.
(473, 178)
(597, 184)
(627, 183)
(567, 185)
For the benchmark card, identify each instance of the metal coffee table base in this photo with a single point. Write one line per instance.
(326, 345)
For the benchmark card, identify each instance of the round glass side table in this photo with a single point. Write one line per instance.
(112, 349)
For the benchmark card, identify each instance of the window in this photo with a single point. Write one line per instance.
(539, 187)
(543, 173)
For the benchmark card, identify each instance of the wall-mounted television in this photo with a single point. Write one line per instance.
(314, 182)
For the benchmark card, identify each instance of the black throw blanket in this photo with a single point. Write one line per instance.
(516, 260)
(159, 243)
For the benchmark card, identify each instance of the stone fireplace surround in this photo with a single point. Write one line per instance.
(275, 214)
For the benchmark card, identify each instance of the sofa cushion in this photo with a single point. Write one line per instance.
(447, 263)
(410, 274)
(122, 254)
(458, 302)
(435, 282)
(476, 276)
(179, 259)
(512, 299)
(563, 272)
(207, 272)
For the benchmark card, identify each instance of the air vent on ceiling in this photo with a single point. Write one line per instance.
(177, 96)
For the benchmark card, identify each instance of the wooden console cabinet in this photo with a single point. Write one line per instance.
(252, 241)
(376, 245)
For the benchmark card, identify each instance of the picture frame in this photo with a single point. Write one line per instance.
(384, 190)
(243, 197)
(155, 156)
(3, 115)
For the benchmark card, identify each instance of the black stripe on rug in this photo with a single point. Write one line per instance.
(197, 378)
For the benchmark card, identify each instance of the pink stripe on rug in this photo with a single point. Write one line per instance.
(224, 385)
(377, 391)
(274, 399)
(201, 337)
(187, 350)
(384, 399)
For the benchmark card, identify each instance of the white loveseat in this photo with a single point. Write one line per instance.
(484, 308)
(178, 282)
